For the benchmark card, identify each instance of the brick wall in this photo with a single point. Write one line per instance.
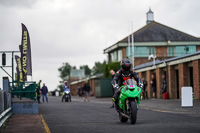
(123, 52)
(198, 47)
(171, 82)
(159, 81)
(196, 78)
(161, 51)
(183, 76)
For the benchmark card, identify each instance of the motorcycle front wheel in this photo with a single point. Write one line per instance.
(133, 112)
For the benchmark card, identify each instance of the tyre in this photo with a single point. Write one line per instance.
(133, 112)
(121, 118)
(66, 99)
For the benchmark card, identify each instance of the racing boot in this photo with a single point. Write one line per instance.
(115, 99)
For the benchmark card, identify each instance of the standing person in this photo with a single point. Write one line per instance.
(112, 73)
(86, 89)
(44, 91)
(164, 87)
(153, 85)
(144, 88)
(38, 91)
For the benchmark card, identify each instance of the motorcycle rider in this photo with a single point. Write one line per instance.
(122, 75)
(65, 88)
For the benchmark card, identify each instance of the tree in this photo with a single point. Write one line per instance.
(65, 71)
(98, 67)
(87, 70)
(112, 65)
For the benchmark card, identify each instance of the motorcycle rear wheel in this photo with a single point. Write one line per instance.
(133, 112)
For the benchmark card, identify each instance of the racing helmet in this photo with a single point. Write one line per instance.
(126, 64)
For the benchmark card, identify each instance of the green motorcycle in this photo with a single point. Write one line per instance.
(129, 101)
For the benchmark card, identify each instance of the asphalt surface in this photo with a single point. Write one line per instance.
(154, 116)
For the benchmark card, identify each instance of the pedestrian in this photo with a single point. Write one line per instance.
(44, 91)
(153, 85)
(144, 88)
(86, 89)
(164, 87)
(112, 73)
(38, 91)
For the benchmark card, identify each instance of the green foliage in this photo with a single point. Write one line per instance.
(87, 70)
(98, 67)
(65, 71)
(112, 65)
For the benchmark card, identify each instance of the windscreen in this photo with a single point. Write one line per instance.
(131, 82)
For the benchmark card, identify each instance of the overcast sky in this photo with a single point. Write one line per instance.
(77, 31)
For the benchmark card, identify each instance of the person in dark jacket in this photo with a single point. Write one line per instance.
(38, 91)
(164, 88)
(153, 85)
(44, 91)
(144, 88)
(122, 75)
(86, 89)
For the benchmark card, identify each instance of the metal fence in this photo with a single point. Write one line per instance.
(24, 89)
(5, 106)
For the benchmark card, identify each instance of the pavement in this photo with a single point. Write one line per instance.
(96, 116)
(24, 124)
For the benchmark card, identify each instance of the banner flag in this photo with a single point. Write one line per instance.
(19, 69)
(26, 53)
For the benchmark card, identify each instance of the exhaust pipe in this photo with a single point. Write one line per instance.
(124, 115)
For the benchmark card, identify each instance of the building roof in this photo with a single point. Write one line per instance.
(156, 32)
(157, 62)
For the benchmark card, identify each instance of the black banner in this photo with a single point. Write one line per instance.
(19, 69)
(26, 53)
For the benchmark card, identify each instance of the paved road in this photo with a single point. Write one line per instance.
(96, 117)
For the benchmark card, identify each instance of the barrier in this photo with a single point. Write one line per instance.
(24, 89)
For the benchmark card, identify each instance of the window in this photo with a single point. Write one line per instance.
(113, 56)
(151, 50)
(119, 54)
(140, 51)
(182, 50)
(171, 51)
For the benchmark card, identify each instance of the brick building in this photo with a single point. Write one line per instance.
(154, 38)
(179, 71)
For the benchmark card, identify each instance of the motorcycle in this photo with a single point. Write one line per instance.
(129, 101)
(66, 96)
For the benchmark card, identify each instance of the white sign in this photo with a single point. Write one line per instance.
(57, 93)
(186, 97)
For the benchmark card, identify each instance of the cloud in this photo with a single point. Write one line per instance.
(77, 31)
(18, 3)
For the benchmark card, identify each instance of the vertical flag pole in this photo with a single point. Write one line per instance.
(132, 42)
(129, 47)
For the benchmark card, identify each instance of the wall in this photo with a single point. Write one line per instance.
(161, 51)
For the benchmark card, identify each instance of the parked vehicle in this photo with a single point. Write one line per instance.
(129, 101)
